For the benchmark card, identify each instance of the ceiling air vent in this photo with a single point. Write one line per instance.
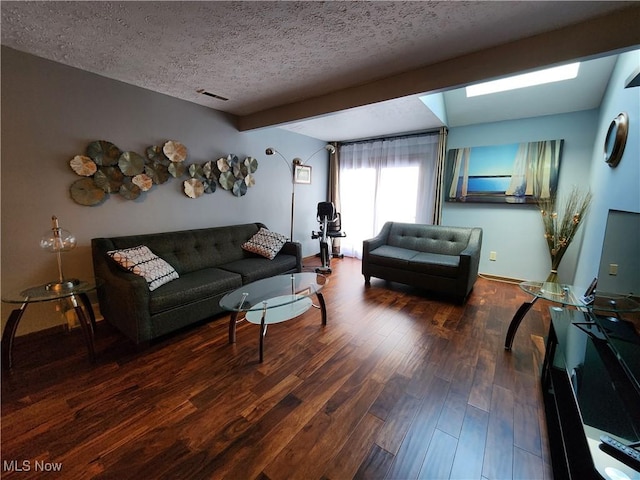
(212, 95)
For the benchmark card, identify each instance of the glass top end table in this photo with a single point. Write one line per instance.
(74, 291)
(571, 296)
(274, 300)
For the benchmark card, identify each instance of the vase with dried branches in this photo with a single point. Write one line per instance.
(561, 222)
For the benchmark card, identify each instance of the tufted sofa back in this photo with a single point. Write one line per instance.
(190, 250)
(428, 238)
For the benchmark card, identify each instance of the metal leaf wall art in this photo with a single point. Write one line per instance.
(108, 170)
(229, 172)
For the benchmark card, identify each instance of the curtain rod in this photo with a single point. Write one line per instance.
(392, 137)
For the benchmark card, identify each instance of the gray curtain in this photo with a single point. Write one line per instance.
(439, 184)
(334, 189)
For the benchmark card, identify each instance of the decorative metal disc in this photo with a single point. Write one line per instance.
(85, 192)
(156, 155)
(239, 188)
(240, 170)
(222, 165)
(103, 153)
(227, 180)
(232, 160)
(158, 172)
(83, 165)
(177, 169)
(250, 180)
(207, 169)
(215, 171)
(209, 186)
(130, 190)
(193, 188)
(251, 163)
(109, 179)
(175, 151)
(131, 163)
(143, 181)
(196, 170)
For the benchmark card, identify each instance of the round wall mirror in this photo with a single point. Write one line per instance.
(616, 139)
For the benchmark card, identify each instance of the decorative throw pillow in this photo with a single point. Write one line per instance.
(142, 261)
(265, 243)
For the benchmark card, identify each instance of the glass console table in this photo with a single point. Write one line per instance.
(76, 293)
(569, 296)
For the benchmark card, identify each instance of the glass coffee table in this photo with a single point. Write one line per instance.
(274, 300)
(567, 295)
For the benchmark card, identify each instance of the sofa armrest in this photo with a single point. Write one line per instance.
(295, 249)
(377, 241)
(124, 297)
(470, 257)
(475, 244)
(371, 244)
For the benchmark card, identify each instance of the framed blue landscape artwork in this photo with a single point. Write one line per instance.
(513, 173)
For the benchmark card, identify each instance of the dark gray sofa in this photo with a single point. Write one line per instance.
(433, 257)
(210, 262)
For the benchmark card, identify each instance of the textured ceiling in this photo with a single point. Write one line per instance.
(276, 55)
(265, 54)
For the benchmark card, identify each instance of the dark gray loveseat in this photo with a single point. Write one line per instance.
(433, 257)
(210, 262)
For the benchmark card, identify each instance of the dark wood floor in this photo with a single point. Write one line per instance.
(398, 385)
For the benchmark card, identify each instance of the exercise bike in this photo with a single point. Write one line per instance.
(330, 228)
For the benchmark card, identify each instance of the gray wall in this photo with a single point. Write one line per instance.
(50, 113)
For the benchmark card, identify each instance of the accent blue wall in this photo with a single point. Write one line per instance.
(614, 188)
(515, 232)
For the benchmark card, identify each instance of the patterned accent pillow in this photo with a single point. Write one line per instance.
(265, 243)
(142, 261)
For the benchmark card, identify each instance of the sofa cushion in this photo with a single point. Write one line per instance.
(429, 238)
(265, 243)
(257, 268)
(435, 264)
(191, 250)
(192, 287)
(389, 256)
(142, 261)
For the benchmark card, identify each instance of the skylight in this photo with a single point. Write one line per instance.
(548, 75)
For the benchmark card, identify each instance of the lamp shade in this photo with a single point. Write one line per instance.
(58, 240)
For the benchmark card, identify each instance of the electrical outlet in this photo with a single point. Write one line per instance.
(493, 256)
(613, 269)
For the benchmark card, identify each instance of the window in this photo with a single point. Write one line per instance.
(385, 180)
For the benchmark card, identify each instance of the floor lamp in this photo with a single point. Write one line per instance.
(292, 169)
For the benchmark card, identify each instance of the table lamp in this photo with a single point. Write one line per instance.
(58, 240)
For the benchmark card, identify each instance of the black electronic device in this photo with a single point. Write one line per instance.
(590, 294)
(591, 288)
(627, 454)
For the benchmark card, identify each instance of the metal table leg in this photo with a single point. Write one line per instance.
(323, 307)
(263, 329)
(87, 327)
(9, 334)
(515, 322)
